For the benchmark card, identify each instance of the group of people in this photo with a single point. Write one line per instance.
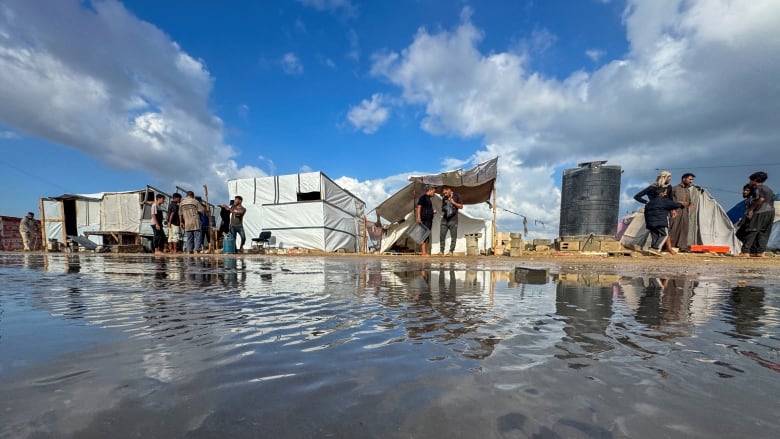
(668, 211)
(425, 212)
(188, 215)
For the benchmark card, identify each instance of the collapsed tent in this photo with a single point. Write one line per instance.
(120, 217)
(709, 225)
(474, 186)
(305, 210)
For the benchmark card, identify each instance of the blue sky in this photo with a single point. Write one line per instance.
(109, 96)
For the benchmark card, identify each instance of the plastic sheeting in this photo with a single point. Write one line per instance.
(712, 225)
(87, 217)
(474, 186)
(334, 222)
(466, 225)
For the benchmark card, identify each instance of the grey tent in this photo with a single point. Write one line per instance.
(709, 224)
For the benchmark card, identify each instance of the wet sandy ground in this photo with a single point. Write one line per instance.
(388, 346)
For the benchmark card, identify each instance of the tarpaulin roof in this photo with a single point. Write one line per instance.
(474, 186)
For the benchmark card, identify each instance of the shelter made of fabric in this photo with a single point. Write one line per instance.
(709, 225)
(474, 186)
(305, 210)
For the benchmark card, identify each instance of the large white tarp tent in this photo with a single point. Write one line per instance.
(474, 186)
(305, 210)
(709, 225)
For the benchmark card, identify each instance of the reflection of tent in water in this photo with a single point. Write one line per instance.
(709, 225)
(474, 186)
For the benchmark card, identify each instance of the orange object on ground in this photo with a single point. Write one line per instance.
(697, 248)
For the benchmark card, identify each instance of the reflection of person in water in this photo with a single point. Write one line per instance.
(746, 304)
(588, 311)
(665, 304)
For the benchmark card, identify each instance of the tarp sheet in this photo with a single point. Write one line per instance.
(711, 225)
(333, 222)
(466, 225)
(474, 186)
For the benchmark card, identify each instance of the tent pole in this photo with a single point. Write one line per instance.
(495, 219)
(44, 247)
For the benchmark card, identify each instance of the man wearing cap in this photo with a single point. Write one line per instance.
(26, 229)
(424, 213)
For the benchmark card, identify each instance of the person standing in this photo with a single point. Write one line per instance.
(760, 214)
(237, 212)
(174, 223)
(661, 184)
(424, 213)
(189, 214)
(158, 242)
(26, 229)
(451, 203)
(656, 218)
(678, 226)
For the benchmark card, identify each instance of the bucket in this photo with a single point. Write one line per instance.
(418, 233)
(228, 244)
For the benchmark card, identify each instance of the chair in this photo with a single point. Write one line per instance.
(263, 239)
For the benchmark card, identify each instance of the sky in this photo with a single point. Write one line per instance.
(110, 96)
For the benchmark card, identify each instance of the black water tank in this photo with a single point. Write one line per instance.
(590, 200)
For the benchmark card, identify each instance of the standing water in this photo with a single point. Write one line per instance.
(142, 346)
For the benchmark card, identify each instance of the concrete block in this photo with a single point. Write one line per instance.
(570, 246)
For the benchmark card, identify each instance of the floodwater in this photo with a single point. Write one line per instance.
(95, 346)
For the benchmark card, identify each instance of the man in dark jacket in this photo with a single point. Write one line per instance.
(657, 218)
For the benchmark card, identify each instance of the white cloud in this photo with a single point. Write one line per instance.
(594, 54)
(696, 89)
(291, 65)
(354, 45)
(7, 135)
(369, 116)
(118, 89)
(345, 7)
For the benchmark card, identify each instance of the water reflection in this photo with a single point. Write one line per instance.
(745, 310)
(413, 340)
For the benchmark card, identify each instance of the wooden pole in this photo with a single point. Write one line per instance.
(212, 236)
(495, 223)
(44, 245)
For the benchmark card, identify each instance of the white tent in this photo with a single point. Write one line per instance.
(70, 215)
(99, 215)
(466, 225)
(474, 186)
(709, 225)
(306, 210)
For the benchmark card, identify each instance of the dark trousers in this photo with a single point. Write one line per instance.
(159, 240)
(757, 232)
(444, 227)
(658, 235)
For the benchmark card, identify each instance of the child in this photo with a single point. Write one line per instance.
(657, 218)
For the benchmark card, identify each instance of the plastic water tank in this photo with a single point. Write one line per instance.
(590, 200)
